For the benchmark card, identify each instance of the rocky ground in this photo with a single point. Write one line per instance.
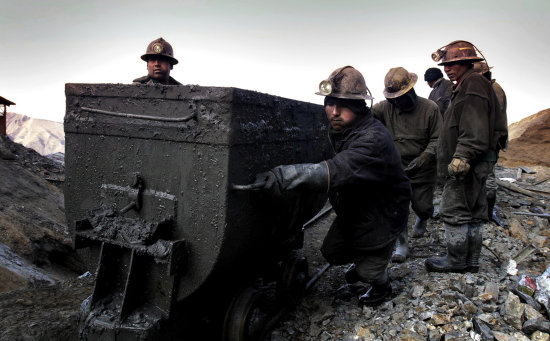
(424, 306)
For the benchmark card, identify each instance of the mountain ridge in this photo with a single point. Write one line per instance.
(44, 136)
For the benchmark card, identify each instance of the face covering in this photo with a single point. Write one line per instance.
(405, 102)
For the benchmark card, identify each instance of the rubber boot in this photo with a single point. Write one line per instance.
(457, 251)
(475, 239)
(376, 294)
(351, 275)
(419, 227)
(401, 248)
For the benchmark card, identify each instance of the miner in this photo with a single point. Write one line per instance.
(414, 124)
(466, 152)
(441, 88)
(160, 61)
(366, 183)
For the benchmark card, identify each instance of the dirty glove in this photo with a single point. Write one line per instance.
(458, 167)
(418, 162)
(307, 176)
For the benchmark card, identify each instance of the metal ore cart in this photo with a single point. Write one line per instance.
(151, 202)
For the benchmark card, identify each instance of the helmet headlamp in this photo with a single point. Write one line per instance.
(437, 55)
(325, 87)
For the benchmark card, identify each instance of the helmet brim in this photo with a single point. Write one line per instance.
(146, 56)
(347, 96)
(414, 79)
(466, 59)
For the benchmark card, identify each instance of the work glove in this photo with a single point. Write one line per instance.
(311, 176)
(458, 167)
(418, 162)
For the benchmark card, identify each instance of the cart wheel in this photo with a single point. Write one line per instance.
(294, 277)
(246, 316)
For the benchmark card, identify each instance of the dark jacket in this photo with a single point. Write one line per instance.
(468, 126)
(501, 121)
(148, 80)
(413, 133)
(368, 188)
(441, 94)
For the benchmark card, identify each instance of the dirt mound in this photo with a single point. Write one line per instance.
(32, 214)
(529, 141)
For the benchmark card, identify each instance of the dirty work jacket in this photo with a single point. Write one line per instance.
(148, 80)
(468, 125)
(441, 94)
(368, 188)
(413, 132)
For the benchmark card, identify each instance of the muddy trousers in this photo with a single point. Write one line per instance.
(491, 183)
(491, 188)
(372, 267)
(464, 200)
(422, 205)
(422, 200)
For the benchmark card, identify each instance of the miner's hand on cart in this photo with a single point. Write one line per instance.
(308, 176)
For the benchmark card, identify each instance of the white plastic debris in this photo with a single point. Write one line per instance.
(86, 274)
(543, 288)
(511, 267)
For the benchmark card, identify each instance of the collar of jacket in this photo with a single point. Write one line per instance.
(342, 136)
(146, 79)
(466, 75)
(438, 82)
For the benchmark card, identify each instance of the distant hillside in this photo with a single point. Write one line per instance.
(46, 137)
(529, 141)
(515, 130)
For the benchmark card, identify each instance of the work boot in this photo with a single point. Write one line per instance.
(457, 251)
(475, 238)
(419, 227)
(351, 275)
(401, 248)
(376, 294)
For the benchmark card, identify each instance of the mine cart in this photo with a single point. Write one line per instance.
(154, 197)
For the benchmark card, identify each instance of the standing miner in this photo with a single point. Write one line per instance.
(502, 122)
(160, 60)
(367, 186)
(466, 152)
(414, 124)
(441, 88)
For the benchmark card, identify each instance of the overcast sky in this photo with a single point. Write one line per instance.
(281, 47)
